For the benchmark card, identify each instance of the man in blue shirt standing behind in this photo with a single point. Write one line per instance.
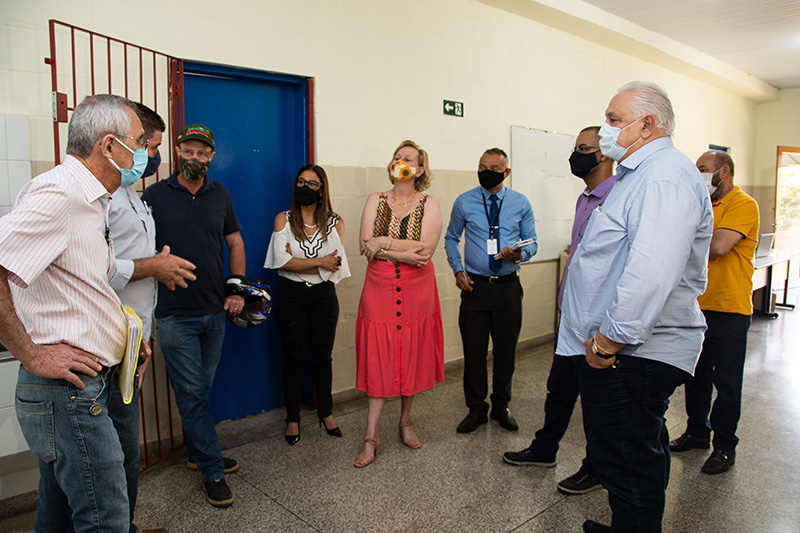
(492, 218)
(640, 326)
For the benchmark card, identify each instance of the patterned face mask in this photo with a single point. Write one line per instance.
(401, 171)
(192, 169)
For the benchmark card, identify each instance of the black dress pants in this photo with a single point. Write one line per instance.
(562, 394)
(306, 316)
(490, 309)
(721, 366)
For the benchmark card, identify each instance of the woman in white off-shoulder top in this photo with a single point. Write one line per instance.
(306, 248)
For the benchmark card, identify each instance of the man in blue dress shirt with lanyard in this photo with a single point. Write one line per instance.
(492, 218)
(630, 304)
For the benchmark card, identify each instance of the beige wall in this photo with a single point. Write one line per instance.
(778, 124)
(382, 69)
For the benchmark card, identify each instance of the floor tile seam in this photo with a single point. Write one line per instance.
(278, 503)
(560, 500)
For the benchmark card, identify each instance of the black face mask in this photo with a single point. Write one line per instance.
(152, 165)
(489, 179)
(582, 164)
(306, 196)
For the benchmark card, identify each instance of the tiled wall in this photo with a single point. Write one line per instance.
(15, 158)
(15, 171)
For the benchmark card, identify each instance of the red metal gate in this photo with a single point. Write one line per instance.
(84, 63)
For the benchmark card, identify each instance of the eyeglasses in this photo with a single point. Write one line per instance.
(585, 149)
(202, 155)
(313, 185)
(141, 141)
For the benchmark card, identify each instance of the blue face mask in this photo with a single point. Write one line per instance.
(609, 135)
(152, 165)
(133, 174)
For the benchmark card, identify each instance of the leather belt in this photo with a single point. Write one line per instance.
(495, 279)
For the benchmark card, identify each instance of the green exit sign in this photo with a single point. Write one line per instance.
(453, 108)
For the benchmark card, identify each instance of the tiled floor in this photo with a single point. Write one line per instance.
(458, 483)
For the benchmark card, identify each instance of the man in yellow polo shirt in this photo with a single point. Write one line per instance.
(727, 305)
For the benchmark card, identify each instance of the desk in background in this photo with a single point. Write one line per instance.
(762, 279)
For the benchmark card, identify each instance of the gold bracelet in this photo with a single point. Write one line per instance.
(389, 243)
(382, 251)
(605, 354)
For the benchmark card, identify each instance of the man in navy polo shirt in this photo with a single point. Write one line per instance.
(195, 218)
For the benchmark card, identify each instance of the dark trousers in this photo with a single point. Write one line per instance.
(627, 439)
(306, 317)
(721, 365)
(490, 309)
(562, 393)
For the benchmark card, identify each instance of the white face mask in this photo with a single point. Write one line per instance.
(708, 177)
(609, 135)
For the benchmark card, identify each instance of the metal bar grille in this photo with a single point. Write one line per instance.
(84, 63)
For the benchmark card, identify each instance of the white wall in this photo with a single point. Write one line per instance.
(382, 69)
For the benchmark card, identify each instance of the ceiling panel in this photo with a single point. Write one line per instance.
(760, 37)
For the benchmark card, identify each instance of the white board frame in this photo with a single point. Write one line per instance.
(540, 170)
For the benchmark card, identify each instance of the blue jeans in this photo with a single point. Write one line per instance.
(126, 422)
(721, 365)
(192, 347)
(81, 474)
(627, 439)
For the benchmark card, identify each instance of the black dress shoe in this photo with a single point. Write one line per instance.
(291, 440)
(590, 526)
(719, 461)
(687, 442)
(335, 432)
(471, 422)
(504, 418)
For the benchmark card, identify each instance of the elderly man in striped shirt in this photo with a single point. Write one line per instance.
(63, 322)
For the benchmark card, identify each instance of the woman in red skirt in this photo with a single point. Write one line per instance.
(399, 340)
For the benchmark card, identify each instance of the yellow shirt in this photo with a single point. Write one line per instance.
(730, 276)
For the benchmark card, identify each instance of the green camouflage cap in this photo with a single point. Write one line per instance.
(197, 132)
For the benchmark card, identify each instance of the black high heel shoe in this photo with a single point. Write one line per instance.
(335, 432)
(291, 440)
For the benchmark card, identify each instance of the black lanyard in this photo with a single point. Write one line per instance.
(492, 225)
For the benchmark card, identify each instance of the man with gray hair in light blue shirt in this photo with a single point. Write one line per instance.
(630, 304)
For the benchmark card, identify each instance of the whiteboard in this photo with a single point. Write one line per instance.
(540, 170)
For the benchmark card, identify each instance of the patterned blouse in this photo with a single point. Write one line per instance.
(409, 227)
(315, 246)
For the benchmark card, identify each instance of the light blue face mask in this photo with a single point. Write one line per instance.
(135, 173)
(609, 135)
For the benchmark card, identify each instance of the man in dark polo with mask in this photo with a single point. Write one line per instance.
(595, 169)
(492, 218)
(195, 218)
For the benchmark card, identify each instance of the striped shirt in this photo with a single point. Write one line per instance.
(53, 245)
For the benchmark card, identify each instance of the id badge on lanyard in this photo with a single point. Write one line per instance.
(491, 242)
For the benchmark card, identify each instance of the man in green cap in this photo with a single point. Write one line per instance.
(195, 218)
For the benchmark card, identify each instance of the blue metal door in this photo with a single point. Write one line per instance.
(259, 121)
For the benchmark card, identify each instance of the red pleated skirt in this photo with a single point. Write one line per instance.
(399, 338)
